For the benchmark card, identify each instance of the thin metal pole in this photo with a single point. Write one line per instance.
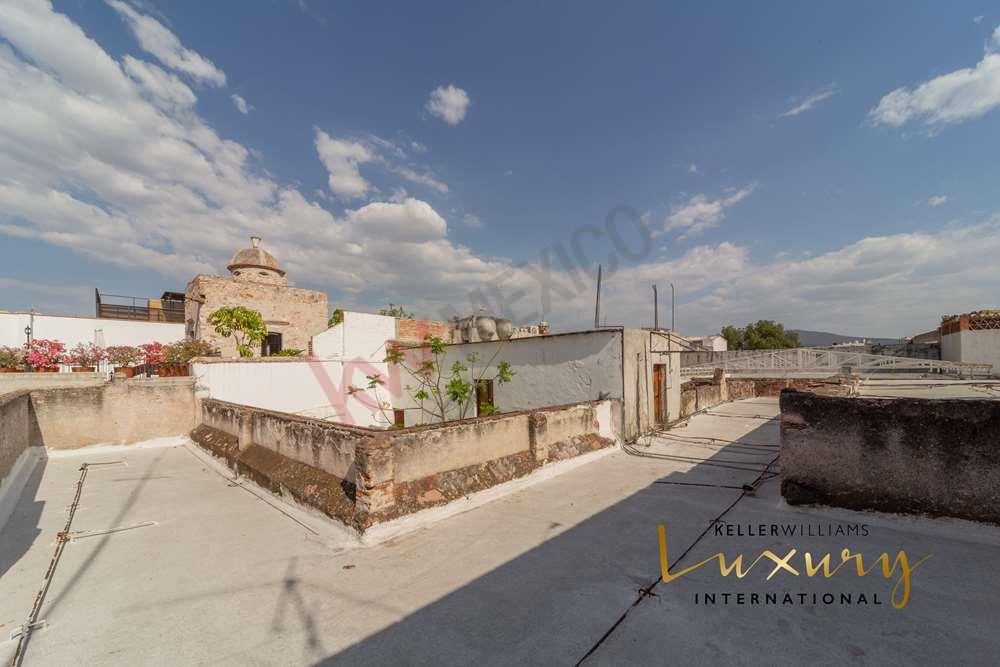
(597, 306)
(656, 309)
(672, 327)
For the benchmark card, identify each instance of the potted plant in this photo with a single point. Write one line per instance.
(11, 359)
(85, 357)
(153, 354)
(178, 355)
(44, 356)
(124, 357)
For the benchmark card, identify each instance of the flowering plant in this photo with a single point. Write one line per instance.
(124, 355)
(90, 354)
(43, 353)
(183, 351)
(154, 353)
(11, 357)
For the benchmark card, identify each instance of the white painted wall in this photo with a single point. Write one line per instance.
(715, 343)
(548, 370)
(73, 330)
(359, 337)
(974, 346)
(298, 386)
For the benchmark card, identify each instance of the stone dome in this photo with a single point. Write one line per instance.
(256, 264)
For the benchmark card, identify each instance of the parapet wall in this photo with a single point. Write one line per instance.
(934, 456)
(120, 412)
(16, 432)
(364, 476)
(701, 394)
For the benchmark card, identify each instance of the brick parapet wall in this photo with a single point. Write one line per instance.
(410, 331)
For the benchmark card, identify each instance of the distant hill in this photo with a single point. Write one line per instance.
(821, 338)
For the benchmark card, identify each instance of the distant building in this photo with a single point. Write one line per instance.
(292, 315)
(972, 338)
(715, 343)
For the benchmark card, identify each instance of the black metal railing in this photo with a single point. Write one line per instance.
(119, 307)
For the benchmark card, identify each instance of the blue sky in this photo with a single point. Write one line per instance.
(832, 167)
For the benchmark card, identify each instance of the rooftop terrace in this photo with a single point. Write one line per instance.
(171, 561)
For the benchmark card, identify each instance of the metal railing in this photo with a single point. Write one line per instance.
(815, 360)
(119, 307)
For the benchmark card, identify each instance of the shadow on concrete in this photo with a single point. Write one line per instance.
(556, 602)
(22, 528)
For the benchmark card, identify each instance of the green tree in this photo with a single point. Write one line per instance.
(733, 336)
(246, 326)
(763, 335)
(444, 389)
(335, 318)
(392, 310)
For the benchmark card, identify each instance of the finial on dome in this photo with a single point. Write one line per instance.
(254, 241)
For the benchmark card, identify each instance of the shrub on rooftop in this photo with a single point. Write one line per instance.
(44, 353)
(153, 353)
(12, 357)
(86, 355)
(124, 356)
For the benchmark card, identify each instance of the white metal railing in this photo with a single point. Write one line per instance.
(804, 359)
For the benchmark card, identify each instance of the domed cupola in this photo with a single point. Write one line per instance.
(256, 265)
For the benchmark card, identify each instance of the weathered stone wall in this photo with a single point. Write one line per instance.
(16, 381)
(15, 429)
(701, 393)
(119, 412)
(384, 474)
(935, 456)
(297, 314)
(323, 445)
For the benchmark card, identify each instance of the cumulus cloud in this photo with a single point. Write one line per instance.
(241, 104)
(958, 96)
(344, 157)
(700, 213)
(811, 101)
(937, 200)
(448, 103)
(110, 159)
(342, 160)
(158, 41)
(890, 286)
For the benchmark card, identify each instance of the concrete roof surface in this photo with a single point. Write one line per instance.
(545, 575)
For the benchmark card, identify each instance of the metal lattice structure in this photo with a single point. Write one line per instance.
(818, 360)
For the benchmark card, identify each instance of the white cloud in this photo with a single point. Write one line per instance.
(241, 104)
(937, 200)
(978, 19)
(112, 161)
(422, 178)
(878, 286)
(163, 87)
(448, 103)
(342, 159)
(693, 168)
(472, 220)
(700, 213)
(157, 40)
(810, 101)
(955, 97)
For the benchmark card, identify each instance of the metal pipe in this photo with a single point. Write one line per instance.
(672, 327)
(597, 306)
(656, 309)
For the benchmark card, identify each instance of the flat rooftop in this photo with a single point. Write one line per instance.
(206, 570)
